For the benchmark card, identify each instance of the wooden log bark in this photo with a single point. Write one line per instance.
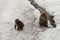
(42, 10)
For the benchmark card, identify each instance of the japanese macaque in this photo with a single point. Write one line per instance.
(43, 21)
(19, 25)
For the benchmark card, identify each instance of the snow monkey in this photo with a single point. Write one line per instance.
(19, 24)
(43, 21)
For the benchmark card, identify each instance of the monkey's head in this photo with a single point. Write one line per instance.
(17, 20)
(43, 14)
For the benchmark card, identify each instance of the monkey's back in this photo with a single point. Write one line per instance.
(43, 19)
(20, 24)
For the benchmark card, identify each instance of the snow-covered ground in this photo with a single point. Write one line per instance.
(22, 9)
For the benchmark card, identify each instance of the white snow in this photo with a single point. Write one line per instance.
(22, 9)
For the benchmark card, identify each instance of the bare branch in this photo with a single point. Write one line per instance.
(41, 9)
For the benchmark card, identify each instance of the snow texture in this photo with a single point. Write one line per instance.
(24, 11)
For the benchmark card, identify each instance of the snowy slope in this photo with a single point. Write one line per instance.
(22, 9)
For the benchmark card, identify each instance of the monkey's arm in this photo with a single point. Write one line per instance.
(15, 25)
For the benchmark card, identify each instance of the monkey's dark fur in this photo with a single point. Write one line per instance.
(19, 24)
(43, 21)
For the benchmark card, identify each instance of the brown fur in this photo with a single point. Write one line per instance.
(43, 20)
(19, 24)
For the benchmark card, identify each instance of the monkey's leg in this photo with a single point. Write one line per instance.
(46, 24)
(41, 24)
(18, 29)
(21, 28)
